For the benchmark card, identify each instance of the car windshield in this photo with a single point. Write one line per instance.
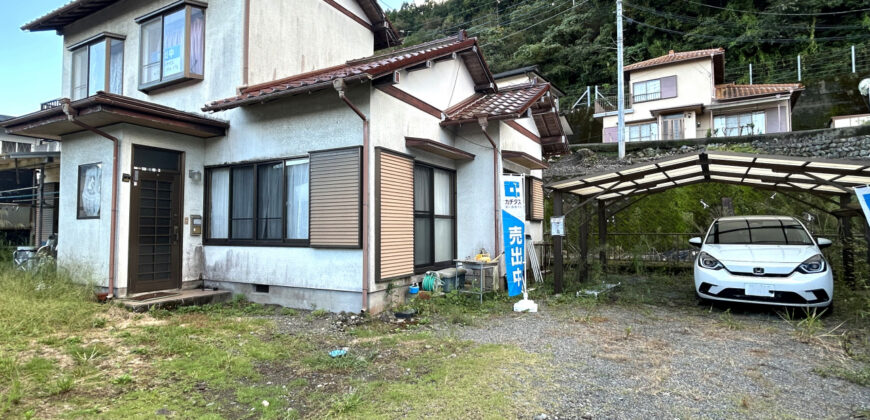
(761, 231)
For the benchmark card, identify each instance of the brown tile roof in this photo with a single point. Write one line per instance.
(733, 91)
(354, 70)
(509, 102)
(675, 57)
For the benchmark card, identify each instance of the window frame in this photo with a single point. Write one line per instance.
(160, 14)
(529, 185)
(654, 131)
(431, 216)
(750, 113)
(106, 38)
(646, 96)
(254, 241)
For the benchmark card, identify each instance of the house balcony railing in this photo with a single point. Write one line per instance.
(646, 97)
(54, 103)
(605, 104)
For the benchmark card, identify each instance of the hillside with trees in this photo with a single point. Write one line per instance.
(574, 42)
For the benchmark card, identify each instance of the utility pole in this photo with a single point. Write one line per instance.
(620, 84)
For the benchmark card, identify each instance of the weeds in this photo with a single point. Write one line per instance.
(730, 322)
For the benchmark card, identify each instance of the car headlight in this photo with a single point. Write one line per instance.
(813, 265)
(707, 261)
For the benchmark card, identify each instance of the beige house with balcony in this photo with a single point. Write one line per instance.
(683, 95)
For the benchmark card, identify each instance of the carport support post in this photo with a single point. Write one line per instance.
(557, 245)
(583, 265)
(602, 233)
(848, 245)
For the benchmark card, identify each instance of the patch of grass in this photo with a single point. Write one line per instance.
(860, 375)
(124, 379)
(318, 313)
(727, 319)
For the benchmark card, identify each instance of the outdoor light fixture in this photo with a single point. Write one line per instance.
(194, 175)
(704, 204)
(864, 90)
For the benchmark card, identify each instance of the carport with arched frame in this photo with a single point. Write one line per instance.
(616, 190)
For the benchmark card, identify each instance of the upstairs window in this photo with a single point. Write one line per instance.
(172, 46)
(97, 65)
(647, 91)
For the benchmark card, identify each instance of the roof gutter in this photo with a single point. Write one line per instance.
(72, 114)
(341, 87)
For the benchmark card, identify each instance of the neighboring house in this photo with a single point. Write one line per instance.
(682, 95)
(841, 121)
(316, 178)
(27, 212)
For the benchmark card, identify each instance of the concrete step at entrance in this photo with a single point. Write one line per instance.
(174, 299)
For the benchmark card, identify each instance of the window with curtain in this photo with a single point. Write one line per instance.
(434, 217)
(173, 47)
(258, 203)
(90, 64)
(739, 124)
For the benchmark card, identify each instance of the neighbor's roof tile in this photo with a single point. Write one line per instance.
(734, 91)
(508, 101)
(674, 57)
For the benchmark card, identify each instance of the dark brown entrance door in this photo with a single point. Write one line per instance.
(155, 221)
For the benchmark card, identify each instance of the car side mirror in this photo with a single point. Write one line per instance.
(823, 243)
(696, 242)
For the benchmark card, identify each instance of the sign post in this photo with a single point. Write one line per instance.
(513, 214)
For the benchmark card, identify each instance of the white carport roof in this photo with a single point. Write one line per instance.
(807, 174)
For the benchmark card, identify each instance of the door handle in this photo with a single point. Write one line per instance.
(175, 233)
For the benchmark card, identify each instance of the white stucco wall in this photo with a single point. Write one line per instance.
(293, 37)
(83, 245)
(223, 51)
(283, 129)
(445, 84)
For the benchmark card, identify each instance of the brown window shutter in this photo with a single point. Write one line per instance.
(537, 197)
(395, 215)
(335, 209)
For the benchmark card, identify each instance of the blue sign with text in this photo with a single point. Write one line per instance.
(513, 226)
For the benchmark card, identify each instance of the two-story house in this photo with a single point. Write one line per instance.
(682, 95)
(318, 172)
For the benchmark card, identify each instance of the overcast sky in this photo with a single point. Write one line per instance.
(30, 68)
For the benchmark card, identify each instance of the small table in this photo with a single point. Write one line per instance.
(481, 268)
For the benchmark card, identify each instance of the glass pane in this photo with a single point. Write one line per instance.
(422, 192)
(758, 123)
(729, 232)
(166, 160)
(640, 89)
(654, 87)
(767, 232)
(116, 66)
(219, 193)
(443, 240)
(422, 241)
(197, 40)
(443, 183)
(80, 74)
(96, 68)
(654, 131)
(151, 45)
(173, 43)
(270, 178)
(297, 199)
(243, 202)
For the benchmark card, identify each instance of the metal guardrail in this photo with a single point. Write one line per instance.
(54, 103)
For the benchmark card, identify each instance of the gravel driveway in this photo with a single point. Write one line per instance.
(644, 362)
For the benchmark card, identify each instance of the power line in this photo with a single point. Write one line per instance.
(700, 20)
(537, 23)
(754, 12)
(743, 40)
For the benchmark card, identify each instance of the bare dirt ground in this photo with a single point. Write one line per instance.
(648, 361)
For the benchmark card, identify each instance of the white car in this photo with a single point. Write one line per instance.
(769, 260)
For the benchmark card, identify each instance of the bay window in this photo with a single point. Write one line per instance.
(97, 65)
(172, 46)
(258, 203)
(739, 124)
(434, 217)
